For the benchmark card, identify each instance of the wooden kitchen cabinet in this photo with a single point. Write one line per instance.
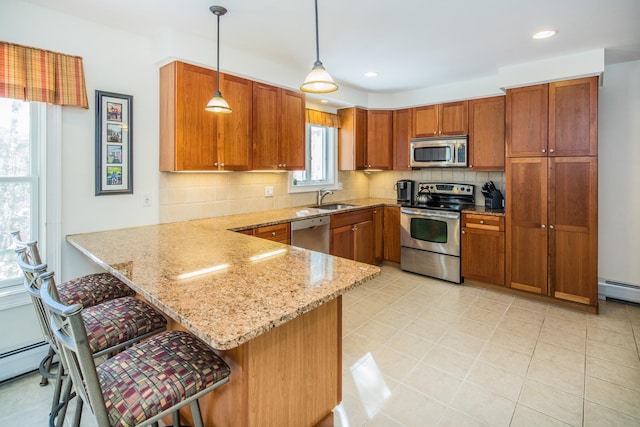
(483, 248)
(278, 128)
(486, 133)
(277, 233)
(352, 235)
(379, 145)
(378, 230)
(441, 120)
(555, 119)
(352, 138)
(193, 139)
(401, 139)
(552, 227)
(392, 233)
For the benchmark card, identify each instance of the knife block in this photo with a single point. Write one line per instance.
(494, 200)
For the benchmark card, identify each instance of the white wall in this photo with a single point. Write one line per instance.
(619, 174)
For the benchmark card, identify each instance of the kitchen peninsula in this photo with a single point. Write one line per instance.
(272, 311)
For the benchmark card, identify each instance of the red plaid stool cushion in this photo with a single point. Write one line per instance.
(157, 374)
(93, 289)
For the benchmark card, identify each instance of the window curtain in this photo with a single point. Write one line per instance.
(321, 118)
(31, 74)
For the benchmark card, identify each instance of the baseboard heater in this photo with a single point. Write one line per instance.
(609, 289)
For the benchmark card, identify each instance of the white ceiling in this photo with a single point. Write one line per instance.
(412, 44)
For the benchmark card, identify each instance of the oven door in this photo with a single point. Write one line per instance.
(430, 230)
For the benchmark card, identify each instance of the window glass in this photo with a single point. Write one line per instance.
(18, 182)
(320, 164)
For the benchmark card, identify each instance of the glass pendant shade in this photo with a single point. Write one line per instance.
(319, 80)
(217, 104)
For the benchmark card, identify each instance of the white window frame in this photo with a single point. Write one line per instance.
(331, 183)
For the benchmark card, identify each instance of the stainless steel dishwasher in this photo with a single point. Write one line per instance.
(311, 233)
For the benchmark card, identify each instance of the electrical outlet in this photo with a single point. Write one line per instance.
(268, 191)
(146, 199)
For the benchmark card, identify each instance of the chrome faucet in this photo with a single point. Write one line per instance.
(321, 195)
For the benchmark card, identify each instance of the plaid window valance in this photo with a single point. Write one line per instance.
(32, 74)
(321, 118)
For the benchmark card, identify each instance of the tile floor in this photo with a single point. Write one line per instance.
(421, 352)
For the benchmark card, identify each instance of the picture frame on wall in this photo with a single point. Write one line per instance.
(114, 143)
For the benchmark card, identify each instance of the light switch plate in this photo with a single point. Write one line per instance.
(268, 191)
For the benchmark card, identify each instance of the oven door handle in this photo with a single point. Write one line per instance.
(429, 213)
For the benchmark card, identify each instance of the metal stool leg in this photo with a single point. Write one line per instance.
(45, 367)
(195, 414)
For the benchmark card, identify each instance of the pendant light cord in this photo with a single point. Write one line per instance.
(317, 37)
(218, 58)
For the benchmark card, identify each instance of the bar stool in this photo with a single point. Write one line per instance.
(87, 290)
(112, 325)
(142, 384)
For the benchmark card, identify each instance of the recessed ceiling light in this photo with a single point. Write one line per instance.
(371, 74)
(544, 34)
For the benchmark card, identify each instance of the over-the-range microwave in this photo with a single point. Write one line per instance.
(438, 152)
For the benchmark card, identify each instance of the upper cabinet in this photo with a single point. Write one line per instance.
(440, 120)
(401, 139)
(379, 147)
(365, 139)
(193, 139)
(555, 119)
(278, 128)
(486, 133)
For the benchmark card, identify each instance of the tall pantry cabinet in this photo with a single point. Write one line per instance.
(552, 180)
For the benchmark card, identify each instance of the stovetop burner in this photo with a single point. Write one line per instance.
(445, 196)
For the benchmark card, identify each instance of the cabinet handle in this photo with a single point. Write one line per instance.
(279, 165)
(215, 164)
(544, 150)
(551, 227)
(354, 229)
(284, 165)
(470, 166)
(481, 221)
(273, 233)
(464, 232)
(551, 150)
(221, 165)
(543, 226)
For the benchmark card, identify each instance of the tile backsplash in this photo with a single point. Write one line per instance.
(187, 196)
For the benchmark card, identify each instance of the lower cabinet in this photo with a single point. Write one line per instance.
(483, 248)
(378, 234)
(352, 235)
(392, 233)
(280, 233)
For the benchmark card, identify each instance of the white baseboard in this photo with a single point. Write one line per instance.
(19, 362)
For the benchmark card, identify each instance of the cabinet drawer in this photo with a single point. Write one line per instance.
(484, 222)
(348, 218)
(277, 233)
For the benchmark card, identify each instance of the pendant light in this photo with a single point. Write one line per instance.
(217, 103)
(318, 80)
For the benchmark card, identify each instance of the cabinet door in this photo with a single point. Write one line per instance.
(453, 118)
(573, 117)
(363, 244)
(352, 138)
(573, 221)
(392, 233)
(265, 126)
(277, 233)
(234, 136)
(378, 242)
(486, 133)
(526, 121)
(483, 255)
(342, 241)
(526, 215)
(425, 121)
(379, 139)
(401, 139)
(188, 132)
(291, 133)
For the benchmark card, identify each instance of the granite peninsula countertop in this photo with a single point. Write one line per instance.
(225, 287)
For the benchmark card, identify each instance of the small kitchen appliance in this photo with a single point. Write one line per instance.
(493, 198)
(406, 192)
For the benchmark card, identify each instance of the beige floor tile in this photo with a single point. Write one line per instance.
(473, 328)
(563, 339)
(393, 363)
(613, 354)
(614, 373)
(505, 358)
(611, 337)
(552, 402)
(527, 417)
(490, 305)
(433, 382)
(614, 310)
(621, 326)
(450, 361)
(431, 330)
(512, 341)
(462, 343)
(458, 297)
(483, 405)
(525, 315)
(453, 308)
(376, 332)
(382, 420)
(407, 307)
(352, 320)
(393, 318)
(453, 418)
(397, 289)
(432, 313)
(566, 313)
(530, 305)
(598, 416)
(519, 327)
(574, 327)
(551, 374)
(410, 345)
(413, 409)
(612, 396)
(560, 356)
(496, 379)
(496, 296)
(483, 316)
(354, 346)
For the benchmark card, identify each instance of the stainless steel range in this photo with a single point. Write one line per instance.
(430, 230)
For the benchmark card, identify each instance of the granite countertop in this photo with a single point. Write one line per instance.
(484, 211)
(225, 287)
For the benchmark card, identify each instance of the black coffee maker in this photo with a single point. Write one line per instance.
(493, 198)
(406, 192)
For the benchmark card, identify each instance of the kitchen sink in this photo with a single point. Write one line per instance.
(333, 206)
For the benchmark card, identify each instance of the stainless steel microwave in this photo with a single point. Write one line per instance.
(440, 152)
